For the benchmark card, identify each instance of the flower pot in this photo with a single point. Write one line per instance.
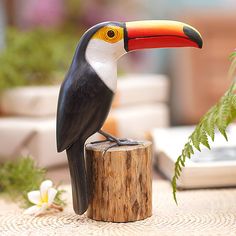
(29, 101)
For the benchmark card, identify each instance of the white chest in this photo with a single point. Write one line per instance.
(103, 58)
(106, 71)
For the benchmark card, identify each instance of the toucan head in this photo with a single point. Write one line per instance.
(115, 39)
(106, 42)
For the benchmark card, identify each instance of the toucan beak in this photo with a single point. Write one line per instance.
(160, 34)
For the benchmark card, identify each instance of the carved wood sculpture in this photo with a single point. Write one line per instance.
(87, 91)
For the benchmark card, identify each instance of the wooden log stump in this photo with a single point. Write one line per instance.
(120, 182)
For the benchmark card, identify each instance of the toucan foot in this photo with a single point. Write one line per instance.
(102, 141)
(108, 136)
(116, 142)
(121, 142)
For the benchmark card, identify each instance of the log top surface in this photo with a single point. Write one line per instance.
(102, 146)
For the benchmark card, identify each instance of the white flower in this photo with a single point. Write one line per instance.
(43, 198)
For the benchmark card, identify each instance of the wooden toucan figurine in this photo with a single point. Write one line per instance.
(90, 84)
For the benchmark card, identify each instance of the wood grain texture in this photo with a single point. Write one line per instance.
(120, 181)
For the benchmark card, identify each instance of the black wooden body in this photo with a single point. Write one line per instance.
(83, 105)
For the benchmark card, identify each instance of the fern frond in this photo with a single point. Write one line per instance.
(219, 116)
(232, 55)
(196, 141)
(232, 68)
(210, 125)
(224, 111)
(233, 101)
(204, 139)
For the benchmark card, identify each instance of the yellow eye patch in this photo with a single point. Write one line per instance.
(110, 34)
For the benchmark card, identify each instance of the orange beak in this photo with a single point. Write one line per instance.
(160, 34)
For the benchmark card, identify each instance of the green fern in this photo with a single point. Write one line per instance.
(218, 117)
(19, 176)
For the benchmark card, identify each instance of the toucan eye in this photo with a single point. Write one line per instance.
(110, 33)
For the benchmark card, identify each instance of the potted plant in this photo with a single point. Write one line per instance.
(218, 117)
(32, 64)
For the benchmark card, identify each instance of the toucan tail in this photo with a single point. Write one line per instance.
(79, 180)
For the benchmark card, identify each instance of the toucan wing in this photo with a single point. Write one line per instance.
(83, 105)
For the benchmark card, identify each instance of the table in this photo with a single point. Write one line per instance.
(200, 212)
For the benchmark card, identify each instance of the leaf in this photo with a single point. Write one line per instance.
(195, 139)
(204, 139)
(232, 55)
(210, 125)
(220, 116)
(232, 68)
(233, 101)
(223, 132)
(32, 57)
(173, 183)
(20, 176)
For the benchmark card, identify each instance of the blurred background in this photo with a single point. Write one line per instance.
(156, 88)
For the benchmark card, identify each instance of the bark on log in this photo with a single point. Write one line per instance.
(120, 182)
